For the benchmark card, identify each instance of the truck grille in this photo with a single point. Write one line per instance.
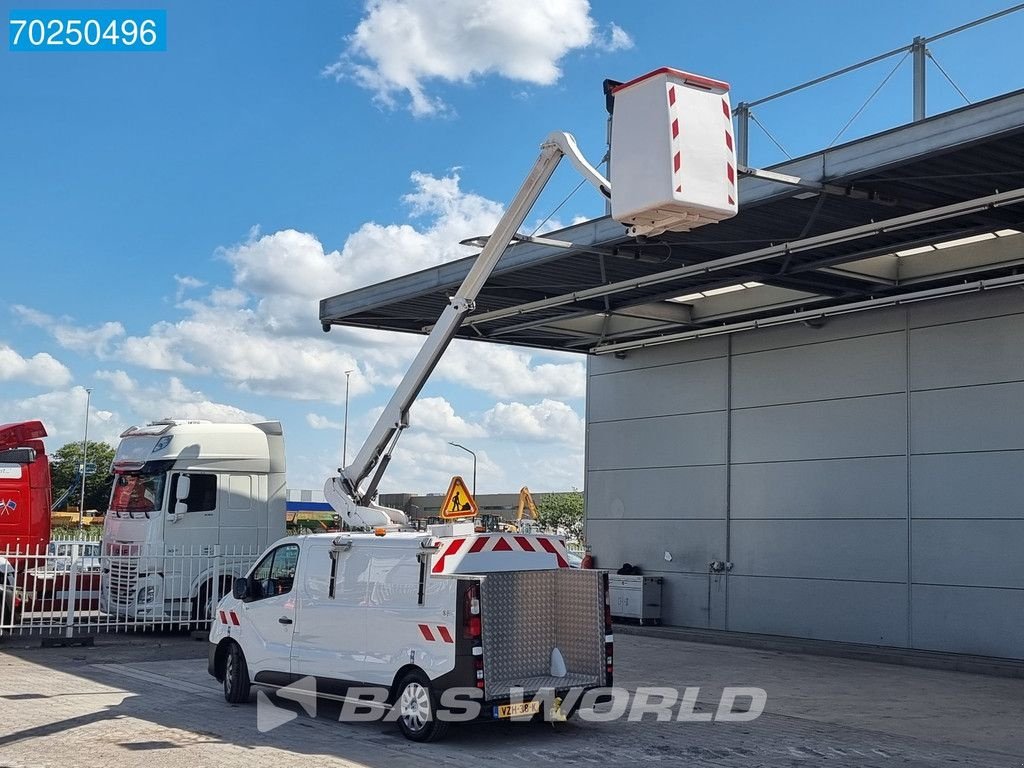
(122, 574)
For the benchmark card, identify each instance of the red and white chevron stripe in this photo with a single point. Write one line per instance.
(497, 543)
(436, 633)
(676, 143)
(730, 167)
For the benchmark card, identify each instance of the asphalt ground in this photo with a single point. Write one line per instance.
(147, 700)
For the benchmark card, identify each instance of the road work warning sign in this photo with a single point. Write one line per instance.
(458, 502)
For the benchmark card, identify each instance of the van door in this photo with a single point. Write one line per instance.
(402, 626)
(330, 636)
(268, 616)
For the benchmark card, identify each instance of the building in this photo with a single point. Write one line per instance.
(807, 418)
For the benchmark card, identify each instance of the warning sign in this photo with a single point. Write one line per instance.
(458, 502)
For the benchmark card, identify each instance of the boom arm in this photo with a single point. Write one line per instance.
(342, 492)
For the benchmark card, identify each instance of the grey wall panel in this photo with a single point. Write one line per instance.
(669, 354)
(675, 493)
(968, 485)
(859, 427)
(842, 327)
(866, 365)
(821, 489)
(670, 441)
(675, 389)
(855, 612)
(975, 352)
(984, 418)
(968, 307)
(977, 553)
(687, 601)
(864, 550)
(987, 622)
(692, 543)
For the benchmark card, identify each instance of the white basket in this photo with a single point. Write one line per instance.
(673, 160)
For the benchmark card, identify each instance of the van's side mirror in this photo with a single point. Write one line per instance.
(240, 588)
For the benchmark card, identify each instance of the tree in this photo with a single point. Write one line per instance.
(562, 512)
(65, 467)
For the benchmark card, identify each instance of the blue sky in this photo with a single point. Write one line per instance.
(168, 221)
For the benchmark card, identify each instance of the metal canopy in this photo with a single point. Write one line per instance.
(912, 213)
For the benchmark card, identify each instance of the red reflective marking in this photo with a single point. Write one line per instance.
(525, 543)
(679, 189)
(675, 128)
(728, 140)
(234, 619)
(725, 109)
(502, 545)
(425, 631)
(677, 161)
(478, 545)
(730, 173)
(731, 201)
(452, 549)
(223, 618)
(671, 95)
(445, 634)
(546, 543)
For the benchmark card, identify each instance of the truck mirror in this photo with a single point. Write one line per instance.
(184, 486)
(240, 588)
(180, 508)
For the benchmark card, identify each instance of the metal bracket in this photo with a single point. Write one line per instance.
(817, 186)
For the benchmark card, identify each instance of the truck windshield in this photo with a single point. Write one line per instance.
(137, 492)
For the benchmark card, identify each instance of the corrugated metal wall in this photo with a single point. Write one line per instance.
(850, 509)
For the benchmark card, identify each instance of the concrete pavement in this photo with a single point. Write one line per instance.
(149, 702)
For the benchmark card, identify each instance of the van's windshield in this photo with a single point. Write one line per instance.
(137, 492)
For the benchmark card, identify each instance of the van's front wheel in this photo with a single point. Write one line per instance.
(417, 703)
(236, 676)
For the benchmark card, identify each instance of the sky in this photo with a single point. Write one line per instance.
(170, 220)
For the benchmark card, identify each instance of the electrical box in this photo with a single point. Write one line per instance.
(673, 161)
(635, 597)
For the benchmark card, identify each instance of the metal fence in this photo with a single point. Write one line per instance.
(73, 587)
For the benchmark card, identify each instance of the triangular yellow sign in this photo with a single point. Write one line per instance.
(458, 502)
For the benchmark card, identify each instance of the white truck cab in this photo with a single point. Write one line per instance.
(426, 620)
(193, 503)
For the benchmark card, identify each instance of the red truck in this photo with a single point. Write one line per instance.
(24, 487)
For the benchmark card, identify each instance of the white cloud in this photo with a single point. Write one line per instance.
(172, 401)
(615, 39)
(401, 45)
(62, 412)
(185, 284)
(437, 416)
(42, 368)
(316, 421)
(96, 341)
(511, 372)
(425, 463)
(546, 421)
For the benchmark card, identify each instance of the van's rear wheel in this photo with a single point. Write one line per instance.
(236, 676)
(417, 703)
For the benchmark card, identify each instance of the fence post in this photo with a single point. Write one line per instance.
(72, 592)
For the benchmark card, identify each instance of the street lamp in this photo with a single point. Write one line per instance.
(474, 463)
(344, 436)
(85, 456)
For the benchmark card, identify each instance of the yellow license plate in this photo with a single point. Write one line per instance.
(517, 710)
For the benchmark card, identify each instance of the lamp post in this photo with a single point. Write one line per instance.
(473, 454)
(85, 456)
(344, 434)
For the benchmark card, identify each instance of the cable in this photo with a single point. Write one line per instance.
(557, 207)
(874, 93)
(946, 75)
(769, 135)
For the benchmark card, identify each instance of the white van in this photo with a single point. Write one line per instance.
(423, 618)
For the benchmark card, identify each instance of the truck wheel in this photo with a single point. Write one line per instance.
(418, 704)
(236, 676)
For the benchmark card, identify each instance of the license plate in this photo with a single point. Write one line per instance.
(517, 710)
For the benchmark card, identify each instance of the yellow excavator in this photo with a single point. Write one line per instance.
(525, 505)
